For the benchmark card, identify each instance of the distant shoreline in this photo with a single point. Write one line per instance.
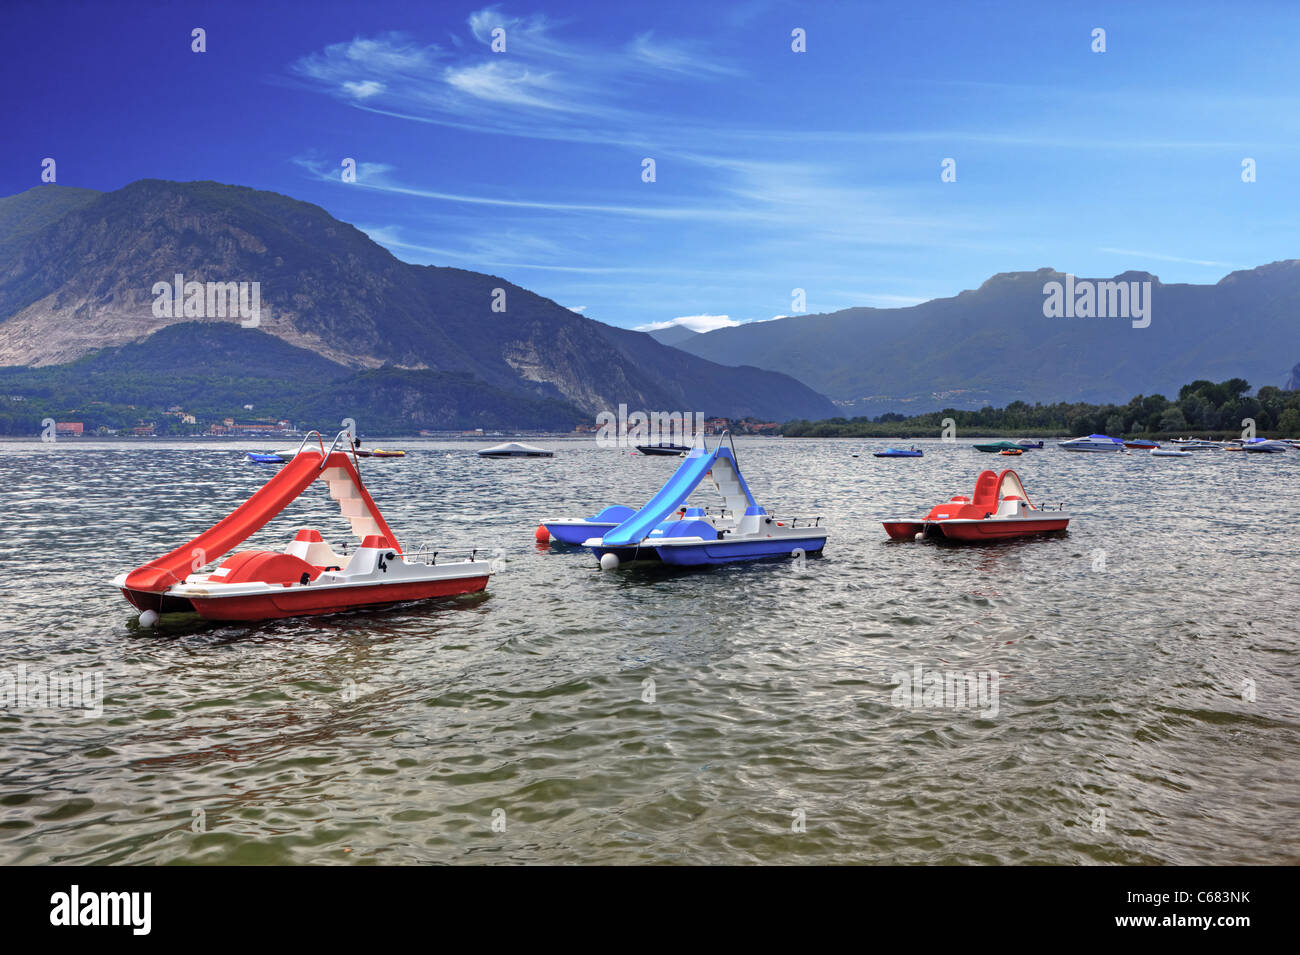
(976, 434)
(1203, 409)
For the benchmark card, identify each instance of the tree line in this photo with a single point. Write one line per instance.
(1203, 408)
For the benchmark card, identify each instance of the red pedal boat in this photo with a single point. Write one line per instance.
(307, 577)
(999, 509)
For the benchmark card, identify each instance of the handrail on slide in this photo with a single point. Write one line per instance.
(324, 455)
(307, 437)
(731, 441)
(351, 447)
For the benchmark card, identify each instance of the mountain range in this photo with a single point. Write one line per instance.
(348, 330)
(994, 345)
(344, 326)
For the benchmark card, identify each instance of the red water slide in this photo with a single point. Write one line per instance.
(244, 521)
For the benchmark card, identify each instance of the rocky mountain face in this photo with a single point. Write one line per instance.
(995, 344)
(78, 275)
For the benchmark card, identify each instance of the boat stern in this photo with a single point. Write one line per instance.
(903, 530)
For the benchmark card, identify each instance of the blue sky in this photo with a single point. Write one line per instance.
(775, 170)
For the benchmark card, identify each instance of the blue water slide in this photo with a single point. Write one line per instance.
(670, 497)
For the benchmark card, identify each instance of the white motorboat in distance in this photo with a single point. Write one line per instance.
(1266, 446)
(513, 449)
(1093, 442)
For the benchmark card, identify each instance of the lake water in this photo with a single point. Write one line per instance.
(1145, 667)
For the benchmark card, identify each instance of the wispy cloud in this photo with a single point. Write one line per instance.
(547, 84)
(363, 89)
(756, 194)
(367, 66)
(594, 92)
(552, 86)
(1130, 253)
(510, 84)
(376, 178)
(486, 252)
(800, 201)
(690, 57)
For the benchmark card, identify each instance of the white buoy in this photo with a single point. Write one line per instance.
(920, 535)
(609, 561)
(148, 618)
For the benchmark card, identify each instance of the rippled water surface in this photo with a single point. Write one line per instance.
(1147, 672)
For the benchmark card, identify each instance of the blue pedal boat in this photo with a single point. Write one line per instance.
(578, 530)
(665, 530)
(912, 452)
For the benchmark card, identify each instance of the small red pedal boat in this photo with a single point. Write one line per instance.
(307, 577)
(999, 509)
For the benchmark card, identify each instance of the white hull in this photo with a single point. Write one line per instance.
(1093, 442)
(514, 449)
(1267, 447)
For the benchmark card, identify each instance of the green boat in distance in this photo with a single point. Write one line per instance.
(997, 446)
